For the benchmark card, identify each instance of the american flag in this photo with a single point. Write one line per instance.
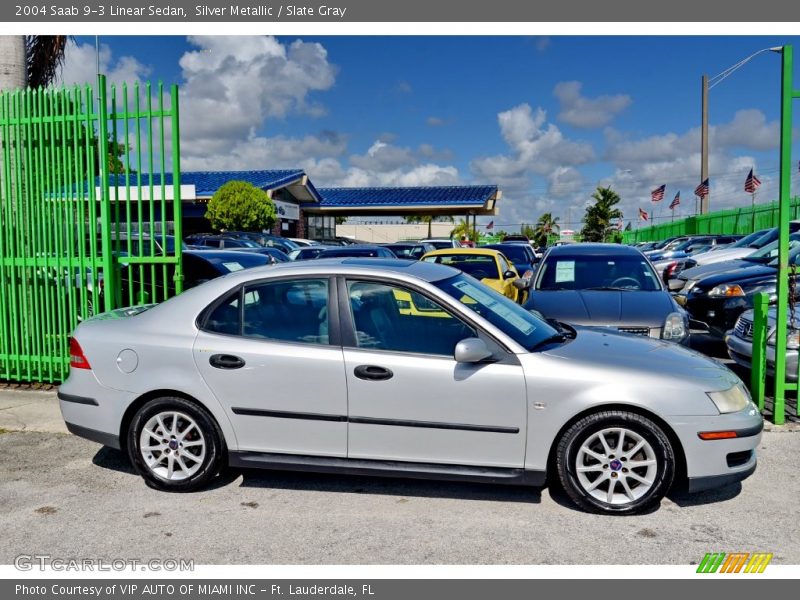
(490, 226)
(701, 191)
(657, 195)
(675, 201)
(643, 214)
(751, 183)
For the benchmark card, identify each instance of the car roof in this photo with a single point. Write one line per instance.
(217, 256)
(426, 271)
(464, 251)
(594, 249)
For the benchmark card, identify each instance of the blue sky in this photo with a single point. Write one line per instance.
(547, 119)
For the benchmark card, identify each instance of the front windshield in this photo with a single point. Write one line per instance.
(597, 272)
(519, 324)
(480, 266)
(691, 242)
(770, 250)
(748, 239)
(794, 253)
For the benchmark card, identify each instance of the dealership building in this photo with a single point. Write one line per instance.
(304, 210)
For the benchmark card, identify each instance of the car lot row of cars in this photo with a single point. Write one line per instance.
(717, 287)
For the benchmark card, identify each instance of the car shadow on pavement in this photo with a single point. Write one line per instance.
(387, 486)
(683, 498)
(116, 460)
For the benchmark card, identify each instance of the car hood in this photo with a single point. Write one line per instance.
(708, 258)
(739, 275)
(701, 271)
(601, 307)
(658, 360)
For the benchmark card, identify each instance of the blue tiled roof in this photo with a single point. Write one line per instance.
(208, 182)
(465, 195)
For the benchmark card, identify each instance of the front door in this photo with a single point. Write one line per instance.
(271, 365)
(409, 400)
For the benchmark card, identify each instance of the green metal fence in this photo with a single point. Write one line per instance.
(67, 232)
(735, 221)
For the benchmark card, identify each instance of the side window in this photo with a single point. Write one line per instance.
(288, 311)
(503, 265)
(225, 317)
(212, 243)
(392, 318)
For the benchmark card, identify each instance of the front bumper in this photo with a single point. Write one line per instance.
(715, 463)
(719, 314)
(741, 351)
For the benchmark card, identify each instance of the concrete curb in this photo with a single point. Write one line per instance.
(30, 410)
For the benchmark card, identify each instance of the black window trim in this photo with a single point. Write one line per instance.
(347, 326)
(334, 329)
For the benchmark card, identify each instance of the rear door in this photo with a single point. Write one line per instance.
(267, 354)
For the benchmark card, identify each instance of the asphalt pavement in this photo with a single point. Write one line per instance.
(70, 498)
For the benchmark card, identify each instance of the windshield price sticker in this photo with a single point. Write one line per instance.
(565, 271)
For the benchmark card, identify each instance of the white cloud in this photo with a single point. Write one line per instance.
(435, 121)
(537, 151)
(80, 66)
(233, 84)
(580, 111)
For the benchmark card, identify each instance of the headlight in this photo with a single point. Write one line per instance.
(674, 327)
(730, 400)
(727, 290)
(792, 339)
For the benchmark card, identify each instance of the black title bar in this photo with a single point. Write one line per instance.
(355, 11)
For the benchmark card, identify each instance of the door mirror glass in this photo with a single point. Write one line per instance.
(472, 350)
(509, 274)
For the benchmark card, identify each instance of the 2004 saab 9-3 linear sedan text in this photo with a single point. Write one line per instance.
(326, 366)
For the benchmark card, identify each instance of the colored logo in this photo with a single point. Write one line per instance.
(735, 562)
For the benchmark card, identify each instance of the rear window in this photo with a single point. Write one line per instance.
(477, 265)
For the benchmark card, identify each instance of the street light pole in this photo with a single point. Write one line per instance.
(705, 200)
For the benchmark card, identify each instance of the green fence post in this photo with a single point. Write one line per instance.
(109, 275)
(784, 215)
(758, 372)
(177, 208)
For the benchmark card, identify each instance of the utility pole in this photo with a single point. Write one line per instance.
(704, 202)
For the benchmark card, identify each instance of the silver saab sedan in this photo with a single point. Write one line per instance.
(407, 369)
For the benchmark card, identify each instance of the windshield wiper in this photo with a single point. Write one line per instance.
(610, 288)
(556, 337)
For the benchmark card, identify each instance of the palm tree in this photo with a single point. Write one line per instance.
(30, 61)
(464, 229)
(546, 226)
(597, 220)
(427, 219)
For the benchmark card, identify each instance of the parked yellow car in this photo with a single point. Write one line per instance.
(484, 264)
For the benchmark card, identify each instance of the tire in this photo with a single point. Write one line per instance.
(197, 462)
(581, 456)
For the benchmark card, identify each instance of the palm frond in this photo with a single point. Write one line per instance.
(45, 56)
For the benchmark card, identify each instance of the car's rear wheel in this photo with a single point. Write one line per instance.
(175, 445)
(615, 462)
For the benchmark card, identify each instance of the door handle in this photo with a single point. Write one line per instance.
(372, 372)
(226, 361)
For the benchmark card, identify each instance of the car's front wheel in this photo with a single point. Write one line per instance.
(615, 462)
(175, 445)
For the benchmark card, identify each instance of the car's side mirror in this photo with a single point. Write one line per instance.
(509, 274)
(675, 285)
(521, 283)
(472, 350)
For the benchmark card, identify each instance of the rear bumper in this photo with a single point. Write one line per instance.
(101, 437)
